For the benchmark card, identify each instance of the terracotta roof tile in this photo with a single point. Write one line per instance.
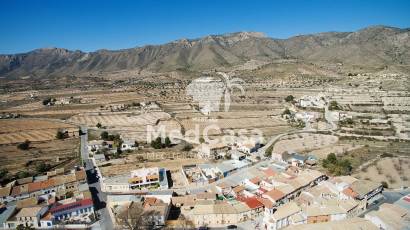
(269, 172)
(275, 194)
(350, 192)
(266, 202)
(253, 202)
(255, 180)
(77, 204)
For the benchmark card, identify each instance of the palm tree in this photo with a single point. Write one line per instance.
(230, 84)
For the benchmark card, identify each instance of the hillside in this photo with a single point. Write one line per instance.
(378, 45)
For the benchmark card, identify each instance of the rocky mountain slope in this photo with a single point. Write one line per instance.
(378, 45)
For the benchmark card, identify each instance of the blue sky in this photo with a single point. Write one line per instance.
(92, 25)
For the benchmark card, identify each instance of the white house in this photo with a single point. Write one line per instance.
(128, 145)
(284, 216)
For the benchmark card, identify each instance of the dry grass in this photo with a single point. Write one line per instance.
(395, 171)
(19, 130)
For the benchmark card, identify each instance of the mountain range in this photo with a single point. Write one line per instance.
(376, 45)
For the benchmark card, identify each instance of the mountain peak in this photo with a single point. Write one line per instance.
(246, 35)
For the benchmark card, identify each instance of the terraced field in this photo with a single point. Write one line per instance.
(19, 130)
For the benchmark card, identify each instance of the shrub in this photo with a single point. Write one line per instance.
(286, 112)
(289, 98)
(157, 143)
(22, 174)
(384, 184)
(43, 167)
(3, 173)
(61, 135)
(187, 147)
(25, 145)
(334, 105)
(98, 125)
(167, 142)
(104, 135)
(47, 101)
(136, 144)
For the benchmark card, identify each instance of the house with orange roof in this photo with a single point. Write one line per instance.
(275, 196)
(255, 205)
(255, 180)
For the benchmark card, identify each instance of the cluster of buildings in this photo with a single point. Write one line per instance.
(317, 101)
(143, 179)
(153, 210)
(49, 201)
(221, 149)
(281, 196)
(336, 199)
(247, 196)
(208, 173)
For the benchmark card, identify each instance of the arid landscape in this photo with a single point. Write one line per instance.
(334, 105)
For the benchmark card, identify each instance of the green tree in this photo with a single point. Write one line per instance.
(286, 112)
(22, 227)
(136, 144)
(104, 135)
(42, 167)
(384, 184)
(289, 98)
(334, 105)
(60, 134)
(99, 125)
(3, 173)
(157, 143)
(167, 142)
(331, 158)
(46, 101)
(25, 145)
(187, 147)
(23, 174)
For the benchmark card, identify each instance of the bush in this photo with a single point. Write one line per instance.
(286, 112)
(22, 174)
(347, 121)
(386, 155)
(43, 167)
(289, 98)
(3, 173)
(61, 135)
(104, 135)
(334, 105)
(46, 101)
(384, 184)
(25, 145)
(157, 143)
(167, 142)
(136, 144)
(98, 125)
(187, 147)
(337, 166)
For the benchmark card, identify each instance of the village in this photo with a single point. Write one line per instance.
(278, 158)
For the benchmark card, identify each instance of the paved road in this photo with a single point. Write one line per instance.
(99, 197)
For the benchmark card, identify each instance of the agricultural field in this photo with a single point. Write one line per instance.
(57, 153)
(394, 171)
(19, 130)
(318, 144)
(111, 120)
